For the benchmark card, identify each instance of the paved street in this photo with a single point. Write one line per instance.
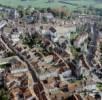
(93, 44)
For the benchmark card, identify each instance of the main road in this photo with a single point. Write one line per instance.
(93, 44)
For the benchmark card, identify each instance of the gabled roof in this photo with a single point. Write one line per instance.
(52, 29)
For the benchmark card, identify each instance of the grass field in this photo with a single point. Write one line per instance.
(33, 3)
(71, 4)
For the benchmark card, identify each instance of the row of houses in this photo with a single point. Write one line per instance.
(16, 78)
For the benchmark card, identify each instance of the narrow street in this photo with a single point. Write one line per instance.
(38, 87)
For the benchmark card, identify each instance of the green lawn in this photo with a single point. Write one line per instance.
(44, 3)
(34, 3)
